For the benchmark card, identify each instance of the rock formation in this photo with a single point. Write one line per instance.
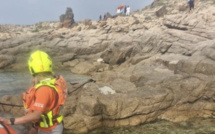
(67, 19)
(107, 15)
(146, 67)
(161, 12)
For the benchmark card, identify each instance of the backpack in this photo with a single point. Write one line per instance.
(58, 83)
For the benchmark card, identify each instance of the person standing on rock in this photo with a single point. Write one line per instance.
(100, 17)
(44, 100)
(125, 9)
(118, 11)
(191, 5)
(128, 10)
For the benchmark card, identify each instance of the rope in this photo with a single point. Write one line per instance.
(90, 80)
(13, 105)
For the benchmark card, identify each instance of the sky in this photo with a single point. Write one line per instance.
(27, 12)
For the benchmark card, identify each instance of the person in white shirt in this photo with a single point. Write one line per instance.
(118, 11)
(128, 10)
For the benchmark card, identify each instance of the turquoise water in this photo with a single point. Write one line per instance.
(18, 82)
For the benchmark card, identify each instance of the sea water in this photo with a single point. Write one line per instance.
(13, 82)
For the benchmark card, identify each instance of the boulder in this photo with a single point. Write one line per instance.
(103, 23)
(83, 68)
(107, 15)
(13, 100)
(6, 61)
(183, 7)
(87, 22)
(161, 12)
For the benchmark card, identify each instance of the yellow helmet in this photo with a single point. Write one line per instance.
(39, 62)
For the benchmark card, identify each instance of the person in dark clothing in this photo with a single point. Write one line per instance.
(100, 17)
(125, 9)
(191, 5)
(104, 17)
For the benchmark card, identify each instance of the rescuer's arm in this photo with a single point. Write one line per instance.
(35, 115)
(24, 119)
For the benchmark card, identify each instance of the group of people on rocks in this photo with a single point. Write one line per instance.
(120, 10)
(100, 17)
(124, 10)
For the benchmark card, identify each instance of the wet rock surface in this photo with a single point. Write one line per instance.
(193, 126)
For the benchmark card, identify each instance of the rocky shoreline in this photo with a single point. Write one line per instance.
(154, 64)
